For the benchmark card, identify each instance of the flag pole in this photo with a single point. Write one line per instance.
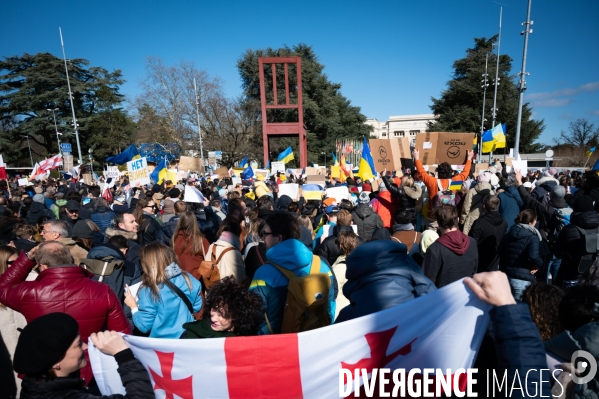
(496, 81)
(522, 81)
(485, 83)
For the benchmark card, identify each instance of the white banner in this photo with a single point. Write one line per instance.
(441, 330)
(277, 167)
(138, 172)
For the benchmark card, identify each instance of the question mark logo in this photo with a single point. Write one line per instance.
(584, 370)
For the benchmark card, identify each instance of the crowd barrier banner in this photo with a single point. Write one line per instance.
(442, 329)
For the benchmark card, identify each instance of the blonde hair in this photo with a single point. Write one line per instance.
(305, 221)
(154, 259)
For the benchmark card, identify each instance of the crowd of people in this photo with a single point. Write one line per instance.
(84, 262)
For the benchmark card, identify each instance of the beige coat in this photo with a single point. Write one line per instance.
(77, 252)
(473, 204)
(231, 263)
(260, 189)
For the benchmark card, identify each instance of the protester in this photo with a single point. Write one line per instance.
(51, 351)
(403, 230)
(488, 231)
(189, 243)
(407, 193)
(149, 227)
(519, 252)
(24, 237)
(510, 202)
(102, 214)
(162, 309)
(226, 251)
(281, 235)
(365, 218)
(348, 242)
(70, 214)
(543, 302)
(473, 201)
(329, 248)
(61, 285)
(384, 206)
(230, 311)
(454, 255)
(57, 230)
(380, 274)
(124, 224)
(38, 209)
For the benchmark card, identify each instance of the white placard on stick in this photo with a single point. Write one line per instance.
(521, 166)
(277, 167)
(138, 172)
(23, 182)
(112, 171)
(289, 189)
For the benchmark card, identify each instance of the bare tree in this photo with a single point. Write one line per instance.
(581, 134)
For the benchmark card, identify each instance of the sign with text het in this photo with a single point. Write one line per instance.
(66, 147)
(138, 172)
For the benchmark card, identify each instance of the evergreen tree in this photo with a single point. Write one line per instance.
(32, 84)
(459, 109)
(328, 115)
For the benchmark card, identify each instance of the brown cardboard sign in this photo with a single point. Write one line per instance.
(508, 161)
(87, 178)
(385, 154)
(480, 167)
(191, 163)
(315, 179)
(310, 171)
(439, 147)
(222, 172)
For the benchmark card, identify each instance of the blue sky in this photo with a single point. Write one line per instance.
(391, 57)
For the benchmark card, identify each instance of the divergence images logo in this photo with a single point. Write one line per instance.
(584, 367)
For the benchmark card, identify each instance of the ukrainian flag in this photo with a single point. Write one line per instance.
(129, 154)
(366, 170)
(590, 152)
(286, 155)
(494, 138)
(159, 173)
(243, 162)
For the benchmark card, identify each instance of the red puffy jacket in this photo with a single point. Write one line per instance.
(66, 289)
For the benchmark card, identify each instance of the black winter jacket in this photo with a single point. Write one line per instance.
(380, 274)
(544, 211)
(208, 222)
(329, 249)
(406, 199)
(488, 231)
(543, 186)
(36, 211)
(519, 253)
(102, 216)
(570, 245)
(168, 229)
(443, 266)
(367, 221)
(134, 376)
(149, 230)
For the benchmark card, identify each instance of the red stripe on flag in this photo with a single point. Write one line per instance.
(263, 367)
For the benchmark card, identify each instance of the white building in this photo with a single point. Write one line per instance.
(400, 126)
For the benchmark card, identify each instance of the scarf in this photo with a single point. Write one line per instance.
(403, 227)
(532, 229)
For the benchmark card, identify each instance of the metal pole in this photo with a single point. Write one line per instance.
(195, 90)
(522, 81)
(71, 98)
(496, 78)
(29, 145)
(484, 86)
(55, 127)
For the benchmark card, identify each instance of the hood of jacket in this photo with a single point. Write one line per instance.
(104, 250)
(364, 210)
(482, 186)
(520, 233)
(585, 220)
(172, 270)
(102, 209)
(228, 239)
(456, 241)
(512, 192)
(115, 231)
(292, 254)
(36, 211)
(66, 241)
(547, 183)
(494, 218)
(414, 192)
(338, 229)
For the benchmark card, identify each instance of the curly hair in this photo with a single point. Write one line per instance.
(233, 301)
(543, 302)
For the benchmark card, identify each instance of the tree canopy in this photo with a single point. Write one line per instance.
(31, 85)
(459, 108)
(327, 113)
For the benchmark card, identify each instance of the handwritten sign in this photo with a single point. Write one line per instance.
(138, 172)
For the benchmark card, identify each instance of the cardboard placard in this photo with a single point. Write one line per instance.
(508, 161)
(310, 171)
(191, 164)
(376, 183)
(439, 147)
(87, 178)
(261, 172)
(138, 172)
(171, 174)
(385, 154)
(222, 172)
(289, 189)
(315, 179)
(322, 170)
(480, 167)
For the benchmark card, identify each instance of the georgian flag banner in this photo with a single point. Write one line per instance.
(443, 330)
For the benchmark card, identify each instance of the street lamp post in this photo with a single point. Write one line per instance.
(29, 145)
(91, 161)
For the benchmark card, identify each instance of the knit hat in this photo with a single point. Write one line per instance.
(73, 205)
(284, 201)
(174, 193)
(39, 198)
(44, 342)
(364, 198)
(180, 187)
(557, 192)
(82, 230)
(157, 197)
(169, 207)
(157, 188)
(484, 177)
(583, 204)
(222, 193)
(354, 190)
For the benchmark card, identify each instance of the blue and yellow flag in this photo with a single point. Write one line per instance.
(590, 152)
(159, 173)
(366, 170)
(286, 155)
(129, 154)
(243, 162)
(494, 138)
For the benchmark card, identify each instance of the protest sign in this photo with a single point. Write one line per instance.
(277, 167)
(335, 172)
(520, 166)
(480, 167)
(87, 178)
(23, 182)
(315, 179)
(138, 172)
(192, 194)
(222, 172)
(390, 154)
(112, 171)
(191, 163)
(310, 171)
(327, 231)
(289, 189)
(171, 174)
(236, 180)
(339, 193)
(261, 172)
(439, 147)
